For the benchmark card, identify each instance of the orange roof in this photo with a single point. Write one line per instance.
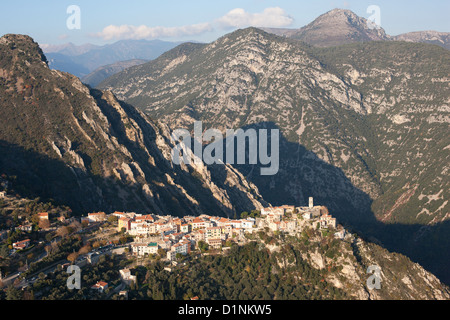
(23, 241)
(100, 284)
(146, 217)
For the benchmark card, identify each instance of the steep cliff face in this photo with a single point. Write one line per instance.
(339, 26)
(86, 149)
(378, 111)
(353, 266)
(364, 126)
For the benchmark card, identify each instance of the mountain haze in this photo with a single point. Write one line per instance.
(104, 72)
(82, 60)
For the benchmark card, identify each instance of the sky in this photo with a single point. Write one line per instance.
(101, 21)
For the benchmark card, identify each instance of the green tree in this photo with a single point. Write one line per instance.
(203, 246)
(13, 294)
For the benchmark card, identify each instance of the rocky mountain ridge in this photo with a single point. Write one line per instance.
(342, 26)
(364, 126)
(86, 149)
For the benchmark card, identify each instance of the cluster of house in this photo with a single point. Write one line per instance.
(180, 235)
(286, 218)
(126, 277)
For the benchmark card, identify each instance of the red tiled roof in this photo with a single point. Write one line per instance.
(100, 284)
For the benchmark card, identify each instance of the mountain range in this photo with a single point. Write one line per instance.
(364, 130)
(104, 72)
(84, 148)
(333, 28)
(82, 60)
(365, 125)
(340, 26)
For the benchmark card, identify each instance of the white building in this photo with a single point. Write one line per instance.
(307, 216)
(126, 276)
(247, 224)
(141, 249)
(181, 247)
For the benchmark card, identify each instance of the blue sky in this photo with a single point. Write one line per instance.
(108, 21)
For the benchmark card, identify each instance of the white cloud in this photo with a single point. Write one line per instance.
(145, 32)
(236, 18)
(270, 17)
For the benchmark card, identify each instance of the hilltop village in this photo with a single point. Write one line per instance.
(40, 244)
(175, 235)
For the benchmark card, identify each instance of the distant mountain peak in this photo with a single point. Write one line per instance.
(339, 26)
(340, 12)
(334, 28)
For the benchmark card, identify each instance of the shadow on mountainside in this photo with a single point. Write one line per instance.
(303, 174)
(38, 175)
(188, 180)
(300, 170)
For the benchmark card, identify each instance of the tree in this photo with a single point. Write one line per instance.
(203, 246)
(49, 236)
(73, 257)
(84, 250)
(4, 251)
(13, 294)
(113, 219)
(44, 224)
(62, 231)
(162, 253)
